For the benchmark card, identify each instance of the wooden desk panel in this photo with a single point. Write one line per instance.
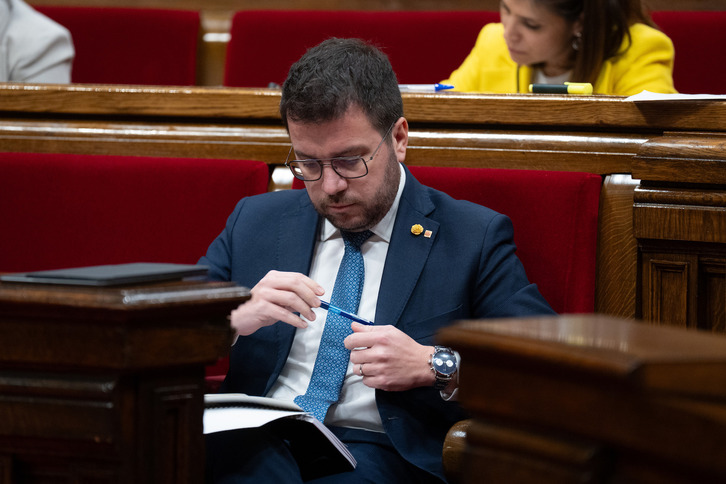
(555, 112)
(106, 385)
(515, 131)
(591, 399)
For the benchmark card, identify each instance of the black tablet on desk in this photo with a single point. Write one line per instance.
(111, 275)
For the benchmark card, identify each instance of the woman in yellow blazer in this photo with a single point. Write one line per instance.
(554, 41)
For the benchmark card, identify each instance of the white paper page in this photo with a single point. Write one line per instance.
(647, 96)
(229, 418)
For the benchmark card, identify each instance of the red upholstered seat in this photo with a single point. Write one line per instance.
(131, 45)
(555, 223)
(698, 38)
(60, 210)
(64, 210)
(424, 47)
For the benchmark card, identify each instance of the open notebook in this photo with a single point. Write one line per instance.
(317, 450)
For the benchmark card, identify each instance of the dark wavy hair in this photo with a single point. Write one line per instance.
(606, 23)
(336, 73)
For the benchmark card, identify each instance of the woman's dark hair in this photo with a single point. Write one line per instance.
(337, 73)
(605, 24)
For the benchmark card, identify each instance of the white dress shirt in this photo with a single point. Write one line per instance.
(357, 404)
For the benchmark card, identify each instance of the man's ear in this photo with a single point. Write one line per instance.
(399, 136)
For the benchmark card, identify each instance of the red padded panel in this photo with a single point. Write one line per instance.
(130, 45)
(555, 223)
(424, 47)
(61, 210)
(699, 38)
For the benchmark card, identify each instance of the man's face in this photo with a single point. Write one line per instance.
(351, 204)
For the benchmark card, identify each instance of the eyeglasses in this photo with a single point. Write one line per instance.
(345, 166)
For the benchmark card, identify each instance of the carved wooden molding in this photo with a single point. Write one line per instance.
(696, 157)
(595, 113)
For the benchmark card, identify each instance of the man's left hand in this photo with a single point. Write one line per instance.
(389, 358)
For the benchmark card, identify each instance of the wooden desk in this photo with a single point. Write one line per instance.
(106, 385)
(591, 400)
(598, 134)
(676, 148)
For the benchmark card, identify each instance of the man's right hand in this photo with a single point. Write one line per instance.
(277, 297)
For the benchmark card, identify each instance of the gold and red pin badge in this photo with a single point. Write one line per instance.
(417, 229)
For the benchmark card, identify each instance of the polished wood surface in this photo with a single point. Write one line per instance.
(591, 399)
(106, 385)
(617, 248)
(595, 112)
(598, 134)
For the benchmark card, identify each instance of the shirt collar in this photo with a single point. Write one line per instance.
(382, 229)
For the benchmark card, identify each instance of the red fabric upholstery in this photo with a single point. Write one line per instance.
(555, 223)
(61, 210)
(424, 47)
(698, 38)
(130, 45)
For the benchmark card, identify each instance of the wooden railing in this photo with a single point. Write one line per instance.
(92, 389)
(661, 248)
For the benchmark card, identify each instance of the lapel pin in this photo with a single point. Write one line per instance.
(427, 234)
(416, 229)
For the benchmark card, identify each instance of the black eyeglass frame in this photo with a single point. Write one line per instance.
(331, 161)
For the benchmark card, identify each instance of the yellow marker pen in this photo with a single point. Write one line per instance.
(566, 88)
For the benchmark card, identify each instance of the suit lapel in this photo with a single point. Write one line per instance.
(407, 253)
(297, 228)
(297, 231)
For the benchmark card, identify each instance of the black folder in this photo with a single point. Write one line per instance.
(111, 275)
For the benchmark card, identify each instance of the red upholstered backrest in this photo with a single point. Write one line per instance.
(555, 223)
(699, 38)
(131, 45)
(61, 210)
(424, 47)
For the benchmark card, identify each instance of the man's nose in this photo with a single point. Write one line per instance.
(332, 182)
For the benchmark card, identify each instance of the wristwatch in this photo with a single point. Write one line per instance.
(443, 364)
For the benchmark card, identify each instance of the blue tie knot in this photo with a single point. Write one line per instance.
(355, 239)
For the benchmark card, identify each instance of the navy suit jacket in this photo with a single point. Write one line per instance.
(465, 269)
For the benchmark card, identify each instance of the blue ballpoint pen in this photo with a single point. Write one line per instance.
(424, 87)
(345, 314)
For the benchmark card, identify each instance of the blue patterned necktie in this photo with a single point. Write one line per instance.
(332, 361)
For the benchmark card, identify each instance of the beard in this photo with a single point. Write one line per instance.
(373, 210)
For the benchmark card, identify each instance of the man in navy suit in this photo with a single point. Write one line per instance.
(431, 260)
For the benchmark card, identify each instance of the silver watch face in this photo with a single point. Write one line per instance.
(444, 363)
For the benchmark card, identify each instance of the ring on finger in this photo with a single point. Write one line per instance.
(360, 369)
